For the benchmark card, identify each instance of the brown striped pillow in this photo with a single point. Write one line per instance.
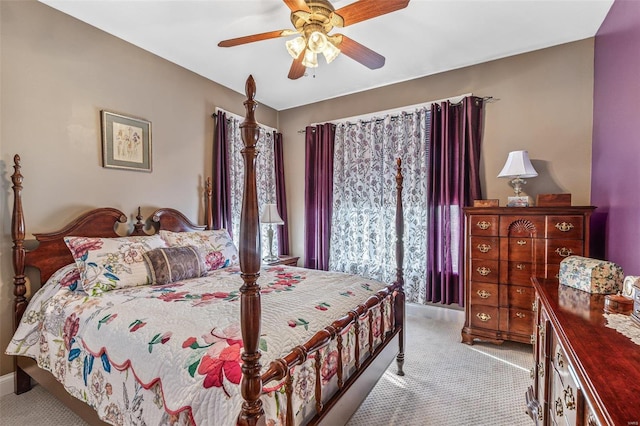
(171, 264)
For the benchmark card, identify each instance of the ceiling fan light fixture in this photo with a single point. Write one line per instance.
(317, 42)
(310, 59)
(296, 46)
(330, 52)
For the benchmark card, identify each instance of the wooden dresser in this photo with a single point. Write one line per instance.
(505, 247)
(585, 373)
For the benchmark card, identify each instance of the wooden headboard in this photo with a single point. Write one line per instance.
(52, 253)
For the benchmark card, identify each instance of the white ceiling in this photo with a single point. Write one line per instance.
(427, 37)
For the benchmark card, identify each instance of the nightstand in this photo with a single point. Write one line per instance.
(285, 260)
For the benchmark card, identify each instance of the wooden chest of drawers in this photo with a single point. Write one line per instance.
(505, 247)
(584, 372)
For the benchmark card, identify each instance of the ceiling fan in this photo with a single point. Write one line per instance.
(313, 20)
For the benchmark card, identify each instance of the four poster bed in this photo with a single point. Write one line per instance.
(210, 353)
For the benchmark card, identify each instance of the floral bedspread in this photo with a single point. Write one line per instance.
(180, 344)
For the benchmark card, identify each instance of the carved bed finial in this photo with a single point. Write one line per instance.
(137, 227)
(250, 88)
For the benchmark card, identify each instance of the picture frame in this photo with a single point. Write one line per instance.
(126, 142)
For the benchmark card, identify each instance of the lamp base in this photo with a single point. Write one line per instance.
(517, 183)
(269, 259)
(518, 201)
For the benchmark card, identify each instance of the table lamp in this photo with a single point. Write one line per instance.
(518, 166)
(270, 216)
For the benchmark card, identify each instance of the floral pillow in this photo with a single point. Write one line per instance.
(216, 246)
(110, 263)
(171, 264)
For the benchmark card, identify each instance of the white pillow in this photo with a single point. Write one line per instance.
(109, 263)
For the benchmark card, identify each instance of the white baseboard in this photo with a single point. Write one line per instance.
(6, 384)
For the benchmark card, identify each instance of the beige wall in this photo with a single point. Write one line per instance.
(543, 103)
(56, 75)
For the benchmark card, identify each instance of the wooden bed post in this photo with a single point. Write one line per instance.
(22, 381)
(400, 298)
(208, 204)
(250, 306)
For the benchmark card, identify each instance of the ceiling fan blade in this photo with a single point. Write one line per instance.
(255, 37)
(366, 9)
(360, 53)
(296, 5)
(297, 69)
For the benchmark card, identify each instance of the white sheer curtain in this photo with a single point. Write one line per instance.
(265, 175)
(364, 194)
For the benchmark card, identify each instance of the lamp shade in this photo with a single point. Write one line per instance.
(270, 215)
(518, 164)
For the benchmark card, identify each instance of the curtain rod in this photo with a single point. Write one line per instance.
(239, 117)
(486, 99)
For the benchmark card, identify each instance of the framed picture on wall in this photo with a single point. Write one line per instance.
(126, 142)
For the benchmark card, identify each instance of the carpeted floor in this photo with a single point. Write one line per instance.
(446, 383)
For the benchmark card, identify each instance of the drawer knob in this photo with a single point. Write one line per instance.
(534, 306)
(483, 317)
(532, 372)
(564, 252)
(541, 331)
(521, 291)
(521, 315)
(564, 226)
(532, 339)
(484, 248)
(559, 409)
(560, 359)
(540, 369)
(484, 271)
(484, 294)
(521, 266)
(522, 242)
(569, 399)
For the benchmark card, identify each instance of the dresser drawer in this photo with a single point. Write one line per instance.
(519, 248)
(484, 294)
(486, 225)
(520, 296)
(521, 226)
(484, 316)
(557, 250)
(566, 227)
(552, 273)
(484, 270)
(564, 402)
(484, 248)
(518, 321)
(517, 273)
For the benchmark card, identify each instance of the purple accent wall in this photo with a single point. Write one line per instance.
(615, 178)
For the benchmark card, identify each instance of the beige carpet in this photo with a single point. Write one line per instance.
(446, 383)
